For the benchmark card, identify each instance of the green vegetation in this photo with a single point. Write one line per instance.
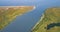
(51, 15)
(8, 13)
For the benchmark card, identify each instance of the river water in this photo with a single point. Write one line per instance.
(25, 22)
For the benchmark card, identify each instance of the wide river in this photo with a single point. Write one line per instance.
(25, 22)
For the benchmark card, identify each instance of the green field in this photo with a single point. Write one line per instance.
(51, 15)
(8, 13)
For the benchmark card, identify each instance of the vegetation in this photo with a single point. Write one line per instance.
(51, 15)
(7, 14)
